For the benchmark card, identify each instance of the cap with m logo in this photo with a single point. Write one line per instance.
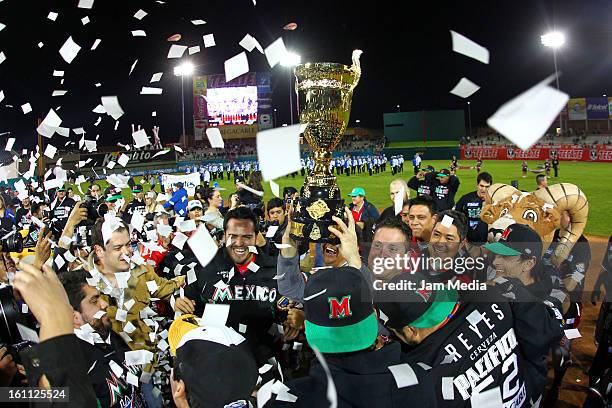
(339, 310)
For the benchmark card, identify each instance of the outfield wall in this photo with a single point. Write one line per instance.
(597, 153)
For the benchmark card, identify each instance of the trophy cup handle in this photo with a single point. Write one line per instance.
(356, 67)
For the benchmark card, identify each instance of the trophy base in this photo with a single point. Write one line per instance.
(312, 215)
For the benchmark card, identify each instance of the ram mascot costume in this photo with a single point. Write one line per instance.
(542, 210)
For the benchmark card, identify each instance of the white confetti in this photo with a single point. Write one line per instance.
(69, 50)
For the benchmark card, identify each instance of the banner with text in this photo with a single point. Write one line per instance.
(597, 107)
(598, 153)
(190, 181)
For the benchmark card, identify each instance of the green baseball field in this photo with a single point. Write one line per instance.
(595, 179)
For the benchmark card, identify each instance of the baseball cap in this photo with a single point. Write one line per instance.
(61, 188)
(408, 305)
(357, 191)
(339, 310)
(443, 173)
(137, 188)
(517, 239)
(194, 204)
(202, 351)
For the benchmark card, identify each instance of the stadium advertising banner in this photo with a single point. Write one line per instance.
(238, 108)
(597, 108)
(597, 153)
(577, 109)
(137, 158)
(200, 112)
(190, 181)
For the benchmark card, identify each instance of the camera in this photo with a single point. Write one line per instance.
(10, 316)
(94, 211)
(10, 239)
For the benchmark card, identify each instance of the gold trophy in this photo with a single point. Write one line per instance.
(325, 91)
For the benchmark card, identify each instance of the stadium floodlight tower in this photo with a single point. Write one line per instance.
(290, 60)
(554, 40)
(184, 70)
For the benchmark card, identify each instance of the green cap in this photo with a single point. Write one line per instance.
(357, 191)
(501, 249)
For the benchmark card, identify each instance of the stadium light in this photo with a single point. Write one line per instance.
(290, 60)
(553, 39)
(357, 121)
(185, 69)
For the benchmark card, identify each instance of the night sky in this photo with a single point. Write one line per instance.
(407, 57)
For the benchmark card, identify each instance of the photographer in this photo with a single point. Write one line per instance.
(48, 364)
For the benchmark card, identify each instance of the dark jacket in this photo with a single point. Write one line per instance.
(369, 216)
(444, 194)
(362, 379)
(499, 349)
(61, 361)
(111, 391)
(388, 212)
(134, 205)
(471, 205)
(252, 297)
(61, 211)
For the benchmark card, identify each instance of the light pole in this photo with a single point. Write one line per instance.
(183, 70)
(554, 40)
(274, 117)
(290, 60)
(469, 118)
(398, 108)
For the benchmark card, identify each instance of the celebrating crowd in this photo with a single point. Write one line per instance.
(175, 299)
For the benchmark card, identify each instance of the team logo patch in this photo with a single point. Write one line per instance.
(504, 235)
(339, 309)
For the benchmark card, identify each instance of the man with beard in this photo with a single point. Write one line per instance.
(242, 276)
(471, 206)
(137, 204)
(127, 288)
(102, 348)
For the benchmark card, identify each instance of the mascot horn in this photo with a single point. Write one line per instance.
(541, 210)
